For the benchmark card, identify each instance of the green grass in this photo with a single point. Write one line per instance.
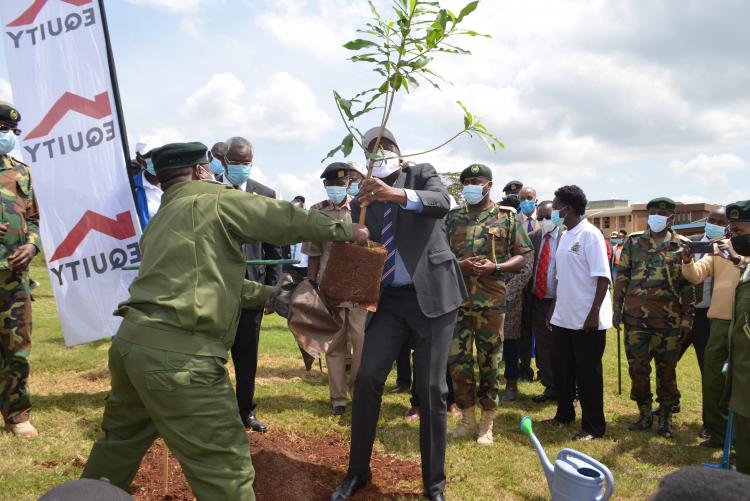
(69, 386)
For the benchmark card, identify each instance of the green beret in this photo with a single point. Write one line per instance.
(8, 113)
(336, 170)
(177, 155)
(739, 211)
(476, 170)
(662, 203)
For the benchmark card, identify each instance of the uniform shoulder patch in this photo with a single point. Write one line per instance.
(506, 208)
(320, 205)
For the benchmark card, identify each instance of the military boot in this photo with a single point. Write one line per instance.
(511, 391)
(485, 427)
(645, 420)
(468, 426)
(24, 429)
(665, 423)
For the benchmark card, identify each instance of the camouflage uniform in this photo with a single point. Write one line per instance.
(655, 301)
(496, 234)
(19, 212)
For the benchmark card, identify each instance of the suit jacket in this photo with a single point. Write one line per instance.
(698, 287)
(267, 275)
(536, 239)
(421, 240)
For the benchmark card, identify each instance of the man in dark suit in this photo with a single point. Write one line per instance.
(421, 291)
(237, 161)
(541, 295)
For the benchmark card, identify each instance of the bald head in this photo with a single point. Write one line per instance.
(527, 193)
(219, 150)
(718, 217)
(239, 150)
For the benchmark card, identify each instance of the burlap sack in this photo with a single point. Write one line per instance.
(313, 324)
(353, 275)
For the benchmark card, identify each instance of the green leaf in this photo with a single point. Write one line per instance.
(359, 43)
(346, 106)
(412, 6)
(468, 9)
(347, 144)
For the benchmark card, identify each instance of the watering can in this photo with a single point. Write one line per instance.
(575, 476)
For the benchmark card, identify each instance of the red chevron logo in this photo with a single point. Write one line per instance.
(98, 108)
(30, 14)
(120, 228)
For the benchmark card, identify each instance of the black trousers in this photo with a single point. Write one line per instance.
(245, 358)
(578, 361)
(526, 341)
(403, 367)
(698, 336)
(397, 321)
(511, 349)
(543, 338)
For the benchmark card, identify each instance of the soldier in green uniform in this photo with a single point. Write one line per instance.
(655, 303)
(167, 360)
(19, 231)
(738, 215)
(489, 242)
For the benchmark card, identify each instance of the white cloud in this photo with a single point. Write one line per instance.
(6, 94)
(708, 169)
(177, 6)
(281, 108)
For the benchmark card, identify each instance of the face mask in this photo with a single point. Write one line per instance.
(7, 142)
(616, 241)
(216, 167)
(238, 174)
(548, 226)
(473, 193)
(150, 167)
(336, 194)
(741, 244)
(527, 207)
(557, 219)
(714, 231)
(386, 167)
(353, 189)
(657, 223)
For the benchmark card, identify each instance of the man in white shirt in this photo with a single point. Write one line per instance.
(582, 315)
(151, 186)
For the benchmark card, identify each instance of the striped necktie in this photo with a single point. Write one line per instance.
(386, 238)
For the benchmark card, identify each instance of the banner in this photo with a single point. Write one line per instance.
(57, 57)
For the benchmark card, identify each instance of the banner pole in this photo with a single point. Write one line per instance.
(118, 102)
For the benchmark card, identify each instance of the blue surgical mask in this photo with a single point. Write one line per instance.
(657, 223)
(528, 207)
(150, 167)
(557, 218)
(7, 142)
(238, 173)
(616, 241)
(336, 194)
(353, 189)
(473, 193)
(216, 167)
(714, 231)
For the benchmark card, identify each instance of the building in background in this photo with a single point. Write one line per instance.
(614, 215)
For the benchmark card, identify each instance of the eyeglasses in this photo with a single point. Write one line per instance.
(5, 128)
(539, 218)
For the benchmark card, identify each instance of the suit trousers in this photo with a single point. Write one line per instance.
(543, 338)
(398, 320)
(698, 336)
(353, 330)
(578, 362)
(245, 359)
(526, 341)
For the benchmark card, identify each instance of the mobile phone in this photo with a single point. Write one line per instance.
(702, 247)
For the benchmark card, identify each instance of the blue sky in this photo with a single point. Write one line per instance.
(627, 99)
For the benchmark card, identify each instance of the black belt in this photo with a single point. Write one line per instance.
(397, 288)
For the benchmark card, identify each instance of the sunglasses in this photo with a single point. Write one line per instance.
(4, 129)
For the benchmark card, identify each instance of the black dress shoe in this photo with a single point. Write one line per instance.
(436, 497)
(705, 434)
(526, 374)
(544, 397)
(552, 422)
(307, 359)
(338, 410)
(252, 423)
(350, 485)
(583, 437)
(400, 388)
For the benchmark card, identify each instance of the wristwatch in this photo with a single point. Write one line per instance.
(497, 268)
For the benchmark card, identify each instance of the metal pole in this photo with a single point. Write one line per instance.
(116, 98)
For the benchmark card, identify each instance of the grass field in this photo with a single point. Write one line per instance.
(69, 386)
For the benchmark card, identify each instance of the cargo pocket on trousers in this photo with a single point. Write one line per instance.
(167, 380)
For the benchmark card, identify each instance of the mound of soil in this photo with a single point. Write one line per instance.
(288, 467)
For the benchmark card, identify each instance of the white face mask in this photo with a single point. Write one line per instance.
(548, 226)
(657, 223)
(386, 167)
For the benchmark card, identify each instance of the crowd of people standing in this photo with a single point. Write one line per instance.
(463, 285)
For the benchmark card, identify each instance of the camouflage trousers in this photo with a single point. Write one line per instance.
(483, 327)
(663, 346)
(15, 345)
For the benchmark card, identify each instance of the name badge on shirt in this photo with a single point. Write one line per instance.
(575, 248)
